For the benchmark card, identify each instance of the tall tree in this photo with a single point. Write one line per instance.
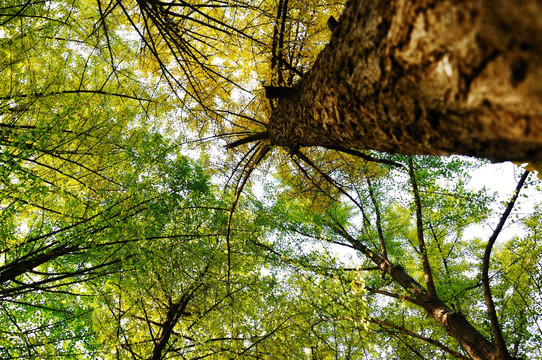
(419, 254)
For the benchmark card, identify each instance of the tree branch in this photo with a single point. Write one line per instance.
(248, 139)
(250, 166)
(378, 221)
(418, 336)
(431, 290)
(502, 351)
(393, 295)
(79, 91)
(364, 156)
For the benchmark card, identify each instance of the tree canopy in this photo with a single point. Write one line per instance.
(177, 182)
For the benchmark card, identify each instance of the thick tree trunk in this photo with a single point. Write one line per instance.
(424, 77)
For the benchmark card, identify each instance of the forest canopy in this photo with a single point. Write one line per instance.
(182, 180)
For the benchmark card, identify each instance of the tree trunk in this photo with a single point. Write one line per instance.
(456, 326)
(424, 77)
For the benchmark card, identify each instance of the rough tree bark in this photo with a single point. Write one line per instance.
(424, 77)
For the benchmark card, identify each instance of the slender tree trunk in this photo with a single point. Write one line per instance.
(424, 77)
(456, 326)
(174, 313)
